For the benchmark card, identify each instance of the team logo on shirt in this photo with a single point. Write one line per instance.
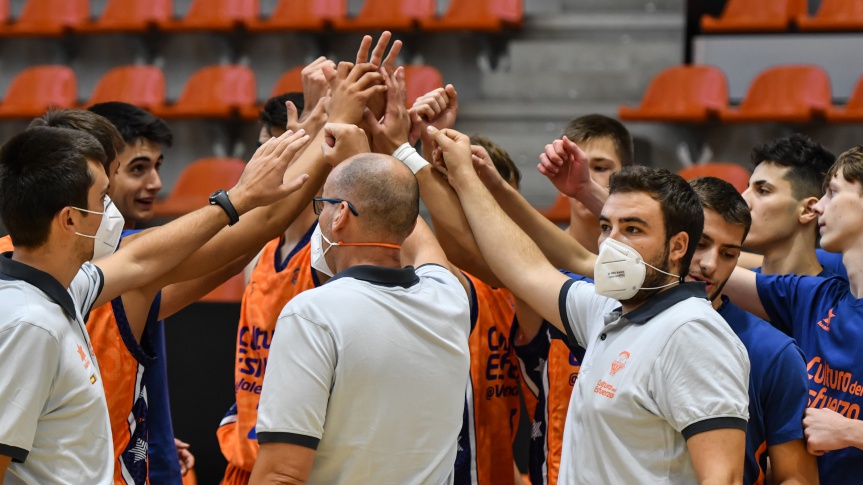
(619, 363)
(83, 356)
(825, 324)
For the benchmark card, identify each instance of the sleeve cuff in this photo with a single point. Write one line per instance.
(18, 455)
(564, 318)
(713, 424)
(289, 438)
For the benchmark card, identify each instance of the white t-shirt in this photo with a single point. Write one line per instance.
(370, 370)
(650, 379)
(53, 415)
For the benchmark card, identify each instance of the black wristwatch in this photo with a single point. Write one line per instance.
(220, 198)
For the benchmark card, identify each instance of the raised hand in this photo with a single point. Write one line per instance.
(438, 108)
(312, 119)
(566, 166)
(485, 168)
(262, 181)
(827, 430)
(353, 87)
(454, 149)
(390, 131)
(315, 84)
(378, 102)
(342, 141)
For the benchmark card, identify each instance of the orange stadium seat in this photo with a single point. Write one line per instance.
(299, 15)
(143, 86)
(834, 15)
(732, 173)
(197, 182)
(791, 94)
(4, 11)
(388, 14)
(290, 81)
(48, 18)
(559, 210)
(130, 16)
(214, 15)
(38, 88)
(481, 15)
(689, 94)
(213, 92)
(853, 109)
(230, 291)
(755, 16)
(420, 80)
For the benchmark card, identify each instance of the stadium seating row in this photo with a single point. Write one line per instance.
(788, 94)
(212, 92)
(780, 15)
(58, 17)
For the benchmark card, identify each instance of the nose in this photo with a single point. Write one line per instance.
(708, 263)
(155, 182)
(818, 208)
(747, 196)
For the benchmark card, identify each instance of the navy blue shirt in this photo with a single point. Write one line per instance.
(778, 388)
(831, 265)
(826, 320)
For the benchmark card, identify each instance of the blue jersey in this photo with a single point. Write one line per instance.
(778, 388)
(832, 264)
(164, 466)
(826, 320)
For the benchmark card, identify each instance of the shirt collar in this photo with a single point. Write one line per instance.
(40, 279)
(379, 275)
(666, 299)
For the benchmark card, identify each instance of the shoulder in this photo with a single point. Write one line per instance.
(700, 326)
(29, 318)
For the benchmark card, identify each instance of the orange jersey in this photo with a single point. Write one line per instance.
(492, 402)
(5, 244)
(123, 363)
(549, 370)
(270, 288)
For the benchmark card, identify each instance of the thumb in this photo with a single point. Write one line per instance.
(440, 137)
(293, 114)
(369, 118)
(292, 186)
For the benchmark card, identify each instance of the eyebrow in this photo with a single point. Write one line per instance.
(638, 220)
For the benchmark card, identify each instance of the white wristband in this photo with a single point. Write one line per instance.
(409, 156)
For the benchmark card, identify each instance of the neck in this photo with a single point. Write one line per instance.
(795, 255)
(49, 260)
(851, 260)
(350, 256)
(716, 302)
(296, 230)
(585, 231)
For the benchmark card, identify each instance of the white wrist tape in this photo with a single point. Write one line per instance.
(409, 156)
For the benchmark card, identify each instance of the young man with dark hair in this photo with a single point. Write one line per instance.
(783, 189)
(274, 115)
(645, 330)
(54, 422)
(823, 315)
(101, 128)
(137, 182)
(778, 387)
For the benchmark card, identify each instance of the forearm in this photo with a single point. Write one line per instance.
(465, 259)
(177, 296)
(559, 248)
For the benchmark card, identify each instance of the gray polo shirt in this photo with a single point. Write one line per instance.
(53, 416)
(650, 380)
(369, 369)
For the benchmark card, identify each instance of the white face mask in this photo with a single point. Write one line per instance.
(110, 229)
(619, 271)
(319, 262)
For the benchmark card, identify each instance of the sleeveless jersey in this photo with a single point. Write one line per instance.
(125, 364)
(491, 399)
(270, 287)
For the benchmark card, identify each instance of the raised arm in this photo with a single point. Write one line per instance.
(421, 247)
(510, 253)
(741, 289)
(152, 255)
(566, 166)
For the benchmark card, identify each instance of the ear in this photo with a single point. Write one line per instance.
(677, 246)
(64, 221)
(341, 217)
(807, 210)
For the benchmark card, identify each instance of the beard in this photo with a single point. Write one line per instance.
(652, 279)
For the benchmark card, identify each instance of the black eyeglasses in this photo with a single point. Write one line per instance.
(318, 205)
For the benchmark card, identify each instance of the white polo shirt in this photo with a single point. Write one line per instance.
(650, 379)
(369, 369)
(54, 420)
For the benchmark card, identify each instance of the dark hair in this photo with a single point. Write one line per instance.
(275, 113)
(82, 120)
(721, 197)
(43, 170)
(850, 163)
(134, 123)
(807, 162)
(593, 126)
(501, 159)
(385, 194)
(681, 209)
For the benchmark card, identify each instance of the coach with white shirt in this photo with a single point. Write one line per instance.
(365, 380)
